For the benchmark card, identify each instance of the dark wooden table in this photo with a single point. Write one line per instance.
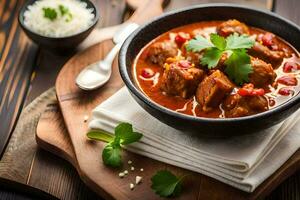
(26, 72)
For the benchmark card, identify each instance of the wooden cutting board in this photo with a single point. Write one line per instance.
(69, 141)
(53, 136)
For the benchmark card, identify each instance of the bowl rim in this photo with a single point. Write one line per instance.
(144, 98)
(30, 2)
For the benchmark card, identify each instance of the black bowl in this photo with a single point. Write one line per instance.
(199, 125)
(58, 44)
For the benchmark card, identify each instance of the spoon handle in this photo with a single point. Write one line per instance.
(106, 64)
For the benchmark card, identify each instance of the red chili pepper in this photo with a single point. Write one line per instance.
(184, 64)
(290, 67)
(287, 80)
(181, 38)
(147, 73)
(267, 39)
(285, 91)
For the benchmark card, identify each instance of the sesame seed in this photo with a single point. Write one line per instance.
(141, 169)
(132, 168)
(129, 162)
(125, 172)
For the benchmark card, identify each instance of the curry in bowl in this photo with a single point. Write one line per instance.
(218, 69)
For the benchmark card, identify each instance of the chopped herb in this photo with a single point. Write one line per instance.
(124, 135)
(63, 10)
(50, 13)
(238, 65)
(165, 184)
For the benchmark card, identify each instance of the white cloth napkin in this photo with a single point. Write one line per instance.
(242, 161)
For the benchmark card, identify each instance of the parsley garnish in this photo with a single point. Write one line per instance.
(238, 65)
(124, 134)
(165, 184)
(50, 13)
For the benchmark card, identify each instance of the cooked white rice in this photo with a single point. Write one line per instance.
(63, 25)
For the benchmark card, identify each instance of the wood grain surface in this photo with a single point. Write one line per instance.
(17, 57)
(52, 135)
(49, 173)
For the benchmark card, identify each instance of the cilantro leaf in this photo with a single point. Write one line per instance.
(50, 13)
(235, 41)
(211, 57)
(165, 184)
(238, 66)
(100, 135)
(218, 41)
(111, 155)
(125, 132)
(198, 43)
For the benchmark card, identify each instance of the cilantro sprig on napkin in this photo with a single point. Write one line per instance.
(124, 135)
(238, 65)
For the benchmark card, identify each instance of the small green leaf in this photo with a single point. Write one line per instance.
(165, 184)
(122, 129)
(218, 41)
(131, 138)
(63, 10)
(198, 43)
(50, 13)
(211, 57)
(125, 132)
(238, 66)
(111, 155)
(236, 41)
(100, 135)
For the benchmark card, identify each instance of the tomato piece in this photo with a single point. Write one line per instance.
(244, 92)
(184, 64)
(181, 38)
(267, 39)
(249, 90)
(258, 92)
(290, 67)
(287, 80)
(147, 73)
(285, 91)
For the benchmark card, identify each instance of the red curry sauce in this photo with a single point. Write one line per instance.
(150, 84)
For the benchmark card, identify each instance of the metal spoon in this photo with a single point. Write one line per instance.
(97, 74)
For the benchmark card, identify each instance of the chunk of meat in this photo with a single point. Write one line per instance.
(232, 26)
(263, 73)
(212, 90)
(160, 51)
(180, 80)
(271, 56)
(236, 105)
